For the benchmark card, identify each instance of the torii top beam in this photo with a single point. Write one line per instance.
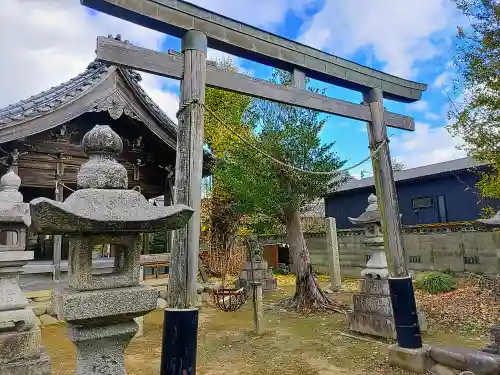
(175, 17)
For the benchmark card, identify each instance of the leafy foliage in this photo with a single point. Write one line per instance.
(224, 216)
(290, 135)
(476, 115)
(157, 243)
(397, 165)
(435, 282)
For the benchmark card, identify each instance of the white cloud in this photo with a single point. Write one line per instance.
(260, 13)
(423, 106)
(399, 33)
(214, 55)
(426, 145)
(51, 41)
(420, 106)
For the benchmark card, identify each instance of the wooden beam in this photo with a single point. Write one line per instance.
(231, 36)
(171, 65)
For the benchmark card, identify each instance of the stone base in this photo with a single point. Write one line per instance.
(118, 304)
(261, 273)
(33, 366)
(16, 346)
(372, 313)
(372, 324)
(414, 360)
(101, 349)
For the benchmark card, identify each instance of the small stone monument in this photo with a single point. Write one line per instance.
(372, 313)
(261, 272)
(20, 350)
(100, 308)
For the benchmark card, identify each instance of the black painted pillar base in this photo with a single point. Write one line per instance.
(179, 343)
(404, 309)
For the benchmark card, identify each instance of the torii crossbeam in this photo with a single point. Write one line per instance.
(200, 28)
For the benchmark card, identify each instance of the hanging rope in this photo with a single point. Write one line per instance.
(247, 142)
(63, 185)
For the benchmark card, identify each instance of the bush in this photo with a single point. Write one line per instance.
(435, 282)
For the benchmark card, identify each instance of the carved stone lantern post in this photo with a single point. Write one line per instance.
(20, 351)
(100, 308)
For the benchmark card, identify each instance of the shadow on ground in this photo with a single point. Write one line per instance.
(292, 345)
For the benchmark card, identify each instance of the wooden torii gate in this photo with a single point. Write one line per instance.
(200, 28)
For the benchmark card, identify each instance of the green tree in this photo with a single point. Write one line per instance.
(224, 216)
(398, 165)
(476, 114)
(262, 186)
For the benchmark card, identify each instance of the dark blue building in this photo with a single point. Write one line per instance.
(437, 193)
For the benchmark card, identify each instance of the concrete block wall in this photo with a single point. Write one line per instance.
(457, 247)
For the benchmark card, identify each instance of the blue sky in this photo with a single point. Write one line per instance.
(430, 63)
(55, 41)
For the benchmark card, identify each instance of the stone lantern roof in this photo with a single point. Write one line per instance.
(103, 203)
(492, 221)
(371, 214)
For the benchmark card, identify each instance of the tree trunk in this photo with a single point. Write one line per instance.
(308, 295)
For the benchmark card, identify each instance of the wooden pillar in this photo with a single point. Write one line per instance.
(384, 185)
(400, 284)
(188, 171)
(57, 239)
(299, 81)
(258, 309)
(333, 254)
(168, 200)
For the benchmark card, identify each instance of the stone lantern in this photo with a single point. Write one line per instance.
(100, 308)
(20, 351)
(376, 267)
(372, 313)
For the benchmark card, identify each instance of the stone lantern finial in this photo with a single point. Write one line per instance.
(102, 171)
(9, 188)
(372, 203)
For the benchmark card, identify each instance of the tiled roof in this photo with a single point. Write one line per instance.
(55, 97)
(51, 99)
(414, 173)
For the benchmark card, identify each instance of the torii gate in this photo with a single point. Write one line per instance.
(200, 28)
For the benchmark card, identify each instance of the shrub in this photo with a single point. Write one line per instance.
(435, 282)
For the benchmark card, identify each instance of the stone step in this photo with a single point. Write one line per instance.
(372, 304)
(372, 324)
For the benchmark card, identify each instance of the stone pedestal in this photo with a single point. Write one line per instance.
(20, 337)
(372, 313)
(261, 274)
